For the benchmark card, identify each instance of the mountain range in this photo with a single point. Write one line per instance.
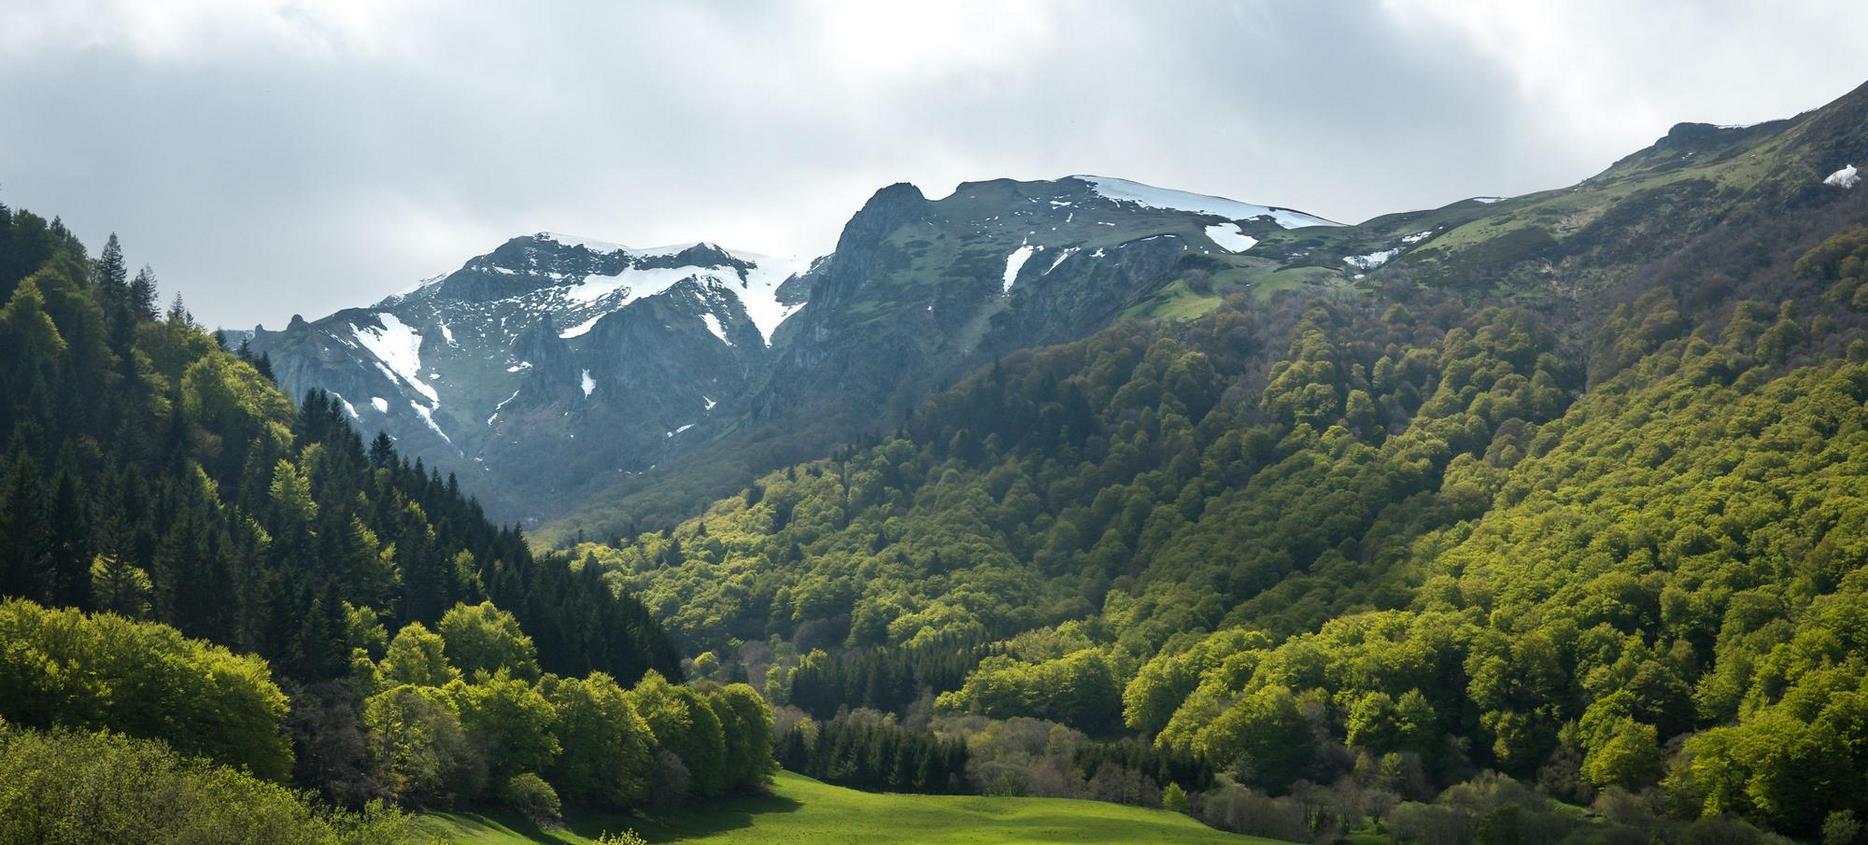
(1525, 519)
(615, 365)
(605, 361)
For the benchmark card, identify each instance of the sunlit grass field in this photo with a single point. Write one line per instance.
(801, 810)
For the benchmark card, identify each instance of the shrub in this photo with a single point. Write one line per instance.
(529, 795)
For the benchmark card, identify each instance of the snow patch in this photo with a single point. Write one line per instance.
(1016, 261)
(710, 403)
(399, 348)
(428, 416)
(1062, 254)
(1148, 196)
(522, 365)
(757, 292)
(1417, 237)
(381, 404)
(1230, 237)
(582, 328)
(713, 325)
(591, 244)
(1372, 260)
(501, 406)
(1487, 200)
(589, 384)
(447, 334)
(1845, 178)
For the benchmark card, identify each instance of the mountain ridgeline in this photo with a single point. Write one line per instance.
(612, 365)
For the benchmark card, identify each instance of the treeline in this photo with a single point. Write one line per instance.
(453, 717)
(1034, 757)
(868, 750)
(879, 678)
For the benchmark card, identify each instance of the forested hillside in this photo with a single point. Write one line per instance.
(1576, 524)
(191, 560)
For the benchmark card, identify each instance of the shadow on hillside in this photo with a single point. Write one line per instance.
(705, 818)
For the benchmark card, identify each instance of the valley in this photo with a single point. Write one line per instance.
(1073, 509)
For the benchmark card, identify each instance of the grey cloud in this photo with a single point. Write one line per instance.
(272, 158)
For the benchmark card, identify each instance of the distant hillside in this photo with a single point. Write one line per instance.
(1563, 487)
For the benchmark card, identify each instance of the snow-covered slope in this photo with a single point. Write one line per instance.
(1149, 196)
(551, 350)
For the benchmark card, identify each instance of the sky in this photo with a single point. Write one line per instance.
(272, 157)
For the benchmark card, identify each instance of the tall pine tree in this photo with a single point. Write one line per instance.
(113, 293)
(142, 295)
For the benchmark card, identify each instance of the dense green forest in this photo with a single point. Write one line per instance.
(200, 580)
(1350, 551)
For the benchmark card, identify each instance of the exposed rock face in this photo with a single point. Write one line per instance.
(553, 367)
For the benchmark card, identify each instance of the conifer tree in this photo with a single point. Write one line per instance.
(142, 295)
(110, 275)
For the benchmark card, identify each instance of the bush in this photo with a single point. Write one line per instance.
(1174, 798)
(530, 796)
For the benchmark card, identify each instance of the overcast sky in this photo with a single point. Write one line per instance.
(273, 157)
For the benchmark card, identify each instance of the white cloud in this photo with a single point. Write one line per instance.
(280, 156)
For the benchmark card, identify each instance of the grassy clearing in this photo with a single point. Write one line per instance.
(804, 810)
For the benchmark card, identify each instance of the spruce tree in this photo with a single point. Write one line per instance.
(382, 451)
(26, 553)
(113, 292)
(142, 295)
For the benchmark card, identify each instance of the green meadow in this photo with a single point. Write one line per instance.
(804, 810)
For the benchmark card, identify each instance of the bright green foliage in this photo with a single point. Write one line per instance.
(746, 728)
(1152, 696)
(685, 723)
(416, 742)
(61, 667)
(1646, 574)
(509, 722)
(1629, 757)
(1079, 688)
(1174, 798)
(483, 638)
(1263, 736)
(417, 656)
(608, 750)
(1378, 723)
(68, 787)
(530, 796)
